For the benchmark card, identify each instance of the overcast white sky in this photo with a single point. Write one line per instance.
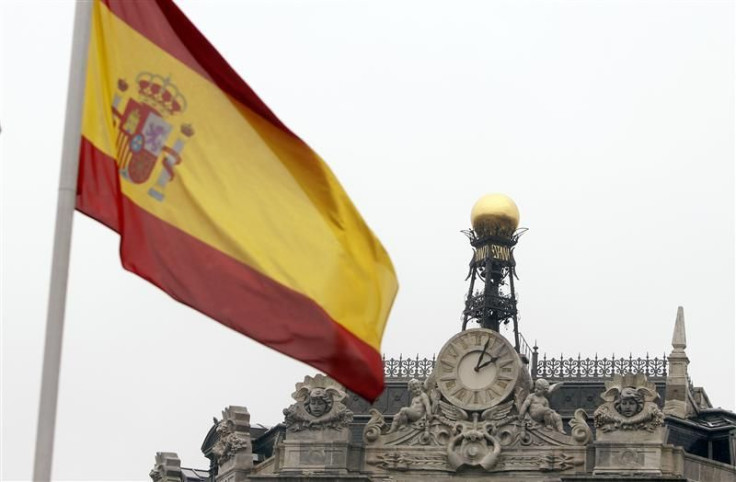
(610, 123)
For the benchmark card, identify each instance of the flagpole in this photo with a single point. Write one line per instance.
(62, 243)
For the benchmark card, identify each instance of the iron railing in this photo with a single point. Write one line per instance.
(524, 348)
(550, 368)
(407, 368)
(587, 368)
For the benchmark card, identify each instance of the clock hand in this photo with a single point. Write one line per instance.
(486, 363)
(483, 352)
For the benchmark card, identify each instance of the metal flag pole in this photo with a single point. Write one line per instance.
(62, 243)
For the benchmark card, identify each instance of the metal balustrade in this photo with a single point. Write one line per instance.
(552, 368)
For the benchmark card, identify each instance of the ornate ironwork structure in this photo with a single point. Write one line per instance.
(549, 368)
(492, 266)
(408, 368)
(592, 368)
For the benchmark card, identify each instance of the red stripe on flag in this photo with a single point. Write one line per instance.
(225, 289)
(98, 186)
(165, 25)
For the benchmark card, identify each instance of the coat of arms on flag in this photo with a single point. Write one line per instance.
(143, 130)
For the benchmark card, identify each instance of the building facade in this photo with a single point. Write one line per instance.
(486, 407)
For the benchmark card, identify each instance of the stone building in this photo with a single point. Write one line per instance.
(485, 408)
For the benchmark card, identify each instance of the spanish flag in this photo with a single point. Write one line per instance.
(219, 204)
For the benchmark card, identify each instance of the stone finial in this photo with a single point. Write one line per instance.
(233, 448)
(676, 401)
(167, 468)
(239, 416)
(678, 336)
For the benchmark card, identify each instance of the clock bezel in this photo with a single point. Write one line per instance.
(468, 343)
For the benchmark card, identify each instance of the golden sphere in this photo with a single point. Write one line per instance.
(495, 214)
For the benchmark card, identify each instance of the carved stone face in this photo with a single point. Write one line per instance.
(415, 387)
(541, 386)
(319, 402)
(629, 402)
(628, 407)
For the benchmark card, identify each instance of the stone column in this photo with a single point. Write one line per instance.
(233, 448)
(676, 402)
(167, 468)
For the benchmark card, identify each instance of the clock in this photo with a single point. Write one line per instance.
(477, 369)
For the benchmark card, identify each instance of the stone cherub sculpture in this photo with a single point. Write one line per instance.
(419, 408)
(629, 405)
(319, 406)
(414, 420)
(537, 406)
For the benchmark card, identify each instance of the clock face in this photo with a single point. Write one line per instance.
(477, 369)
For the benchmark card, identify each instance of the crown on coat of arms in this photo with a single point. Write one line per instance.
(158, 92)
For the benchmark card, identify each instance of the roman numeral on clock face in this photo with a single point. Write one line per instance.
(479, 397)
(461, 394)
(493, 392)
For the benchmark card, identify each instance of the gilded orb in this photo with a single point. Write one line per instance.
(495, 214)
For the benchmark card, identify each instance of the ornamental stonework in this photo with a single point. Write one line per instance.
(319, 405)
(629, 405)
